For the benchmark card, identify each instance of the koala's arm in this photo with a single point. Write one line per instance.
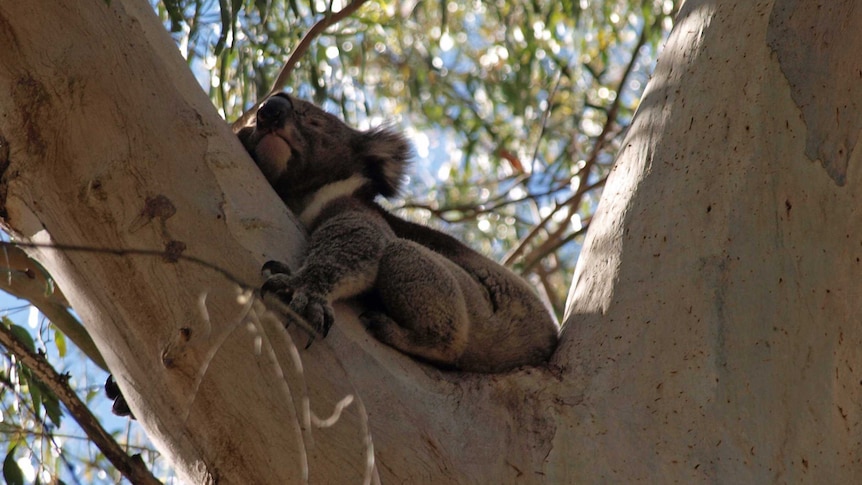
(342, 261)
(344, 252)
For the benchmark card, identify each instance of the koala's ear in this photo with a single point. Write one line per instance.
(387, 154)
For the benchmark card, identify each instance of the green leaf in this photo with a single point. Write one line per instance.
(175, 13)
(262, 7)
(11, 471)
(226, 21)
(52, 406)
(35, 393)
(24, 336)
(60, 342)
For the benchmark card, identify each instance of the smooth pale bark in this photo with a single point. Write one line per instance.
(713, 326)
(716, 311)
(113, 145)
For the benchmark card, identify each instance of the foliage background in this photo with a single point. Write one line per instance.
(515, 109)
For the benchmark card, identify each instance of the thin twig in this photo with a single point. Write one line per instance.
(46, 433)
(318, 28)
(473, 210)
(545, 116)
(136, 252)
(522, 246)
(552, 244)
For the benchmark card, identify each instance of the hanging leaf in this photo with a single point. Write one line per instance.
(226, 21)
(35, 394)
(262, 7)
(21, 334)
(175, 14)
(60, 342)
(11, 471)
(51, 404)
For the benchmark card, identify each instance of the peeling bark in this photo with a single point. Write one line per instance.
(817, 47)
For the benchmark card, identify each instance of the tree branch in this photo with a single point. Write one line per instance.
(132, 467)
(27, 280)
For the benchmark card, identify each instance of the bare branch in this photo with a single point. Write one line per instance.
(552, 244)
(473, 210)
(572, 201)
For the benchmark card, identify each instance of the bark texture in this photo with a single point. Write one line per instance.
(715, 310)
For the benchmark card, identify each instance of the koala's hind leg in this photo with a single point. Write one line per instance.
(427, 307)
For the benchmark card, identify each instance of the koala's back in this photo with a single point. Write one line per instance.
(516, 330)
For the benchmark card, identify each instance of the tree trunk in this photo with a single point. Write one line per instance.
(714, 313)
(113, 145)
(711, 331)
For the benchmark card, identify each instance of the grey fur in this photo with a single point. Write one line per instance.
(439, 300)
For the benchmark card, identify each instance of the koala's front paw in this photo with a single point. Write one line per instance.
(312, 307)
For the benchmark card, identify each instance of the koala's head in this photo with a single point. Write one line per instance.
(300, 148)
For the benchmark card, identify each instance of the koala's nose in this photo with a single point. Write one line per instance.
(273, 113)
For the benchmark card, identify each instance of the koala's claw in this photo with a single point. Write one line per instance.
(313, 308)
(120, 406)
(273, 267)
(278, 284)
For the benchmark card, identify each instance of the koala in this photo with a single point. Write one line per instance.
(433, 298)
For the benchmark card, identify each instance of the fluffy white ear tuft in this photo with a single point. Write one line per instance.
(387, 154)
